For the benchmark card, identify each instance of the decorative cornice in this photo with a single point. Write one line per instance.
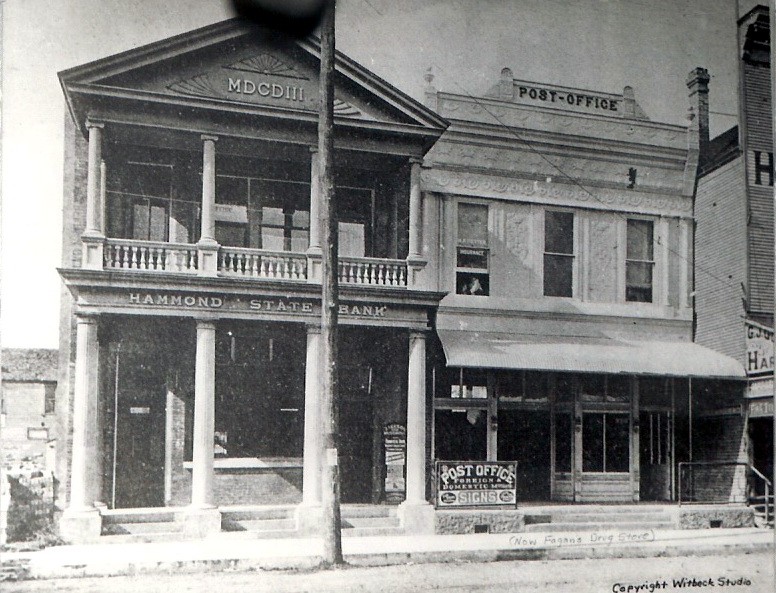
(489, 186)
(197, 86)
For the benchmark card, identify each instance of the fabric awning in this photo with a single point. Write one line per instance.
(585, 354)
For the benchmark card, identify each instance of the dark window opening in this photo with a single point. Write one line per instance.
(640, 261)
(605, 442)
(558, 254)
(564, 435)
(472, 267)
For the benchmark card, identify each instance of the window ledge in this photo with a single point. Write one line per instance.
(226, 463)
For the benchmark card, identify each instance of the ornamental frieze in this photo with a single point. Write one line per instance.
(567, 123)
(553, 193)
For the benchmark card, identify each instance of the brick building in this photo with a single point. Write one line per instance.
(514, 286)
(735, 249)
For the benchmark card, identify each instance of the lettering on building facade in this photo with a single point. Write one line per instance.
(762, 168)
(245, 86)
(759, 349)
(566, 98)
(233, 303)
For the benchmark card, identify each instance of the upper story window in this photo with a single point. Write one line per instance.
(262, 213)
(471, 266)
(558, 253)
(139, 201)
(639, 261)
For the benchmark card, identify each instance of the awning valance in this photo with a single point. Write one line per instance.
(585, 354)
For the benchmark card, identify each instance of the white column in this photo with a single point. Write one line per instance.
(207, 247)
(93, 210)
(204, 416)
(664, 262)
(94, 233)
(685, 259)
(315, 204)
(86, 405)
(208, 232)
(416, 420)
(311, 477)
(415, 239)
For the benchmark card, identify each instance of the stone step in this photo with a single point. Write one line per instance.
(612, 518)
(122, 516)
(144, 538)
(368, 511)
(369, 522)
(250, 513)
(228, 524)
(147, 527)
(371, 531)
(599, 526)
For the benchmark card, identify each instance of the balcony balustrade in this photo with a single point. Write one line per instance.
(238, 262)
(252, 263)
(373, 271)
(150, 256)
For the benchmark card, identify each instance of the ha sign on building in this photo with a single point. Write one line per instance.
(476, 484)
(759, 349)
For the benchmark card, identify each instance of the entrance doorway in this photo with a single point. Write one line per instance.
(139, 451)
(761, 439)
(357, 430)
(524, 435)
(656, 455)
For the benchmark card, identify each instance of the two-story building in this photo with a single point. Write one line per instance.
(735, 249)
(565, 251)
(192, 262)
(515, 286)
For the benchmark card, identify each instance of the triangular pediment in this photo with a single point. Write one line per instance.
(241, 67)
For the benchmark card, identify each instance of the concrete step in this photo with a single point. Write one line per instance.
(144, 538)
(122, 516)
(371, 531)
(599, 526)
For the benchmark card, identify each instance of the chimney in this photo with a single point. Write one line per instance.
(629, 102)
(698, 85)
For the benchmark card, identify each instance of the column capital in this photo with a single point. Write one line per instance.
(206, 323)
(418, 334)
(313, 328)
(313, 149)
(413, 160)
(87, 318)
(205, 137)
(94, 124)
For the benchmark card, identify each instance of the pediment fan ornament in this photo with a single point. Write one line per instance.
(265, 63)
(198, 86)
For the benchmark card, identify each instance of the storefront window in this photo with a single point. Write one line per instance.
(259, 392)
(521, 386)
(460, 435)
(605, 442)
(558, 254)
(466, 384)
(472, 275)
(640, 261)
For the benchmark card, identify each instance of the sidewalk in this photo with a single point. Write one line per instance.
(231, 552)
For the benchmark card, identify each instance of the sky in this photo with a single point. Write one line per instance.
(600, 45)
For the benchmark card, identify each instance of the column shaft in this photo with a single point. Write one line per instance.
(311, 478)
(416, 420)
(86, 403)
(315, 204)
(415, 239)
(204, 416)
(208, 232)
(93, 194)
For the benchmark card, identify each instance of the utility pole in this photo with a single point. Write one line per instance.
(330, 495)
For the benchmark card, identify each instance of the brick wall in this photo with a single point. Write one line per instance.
(73, 225)
(720, 439)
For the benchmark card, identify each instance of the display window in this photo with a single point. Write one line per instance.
(605, 442)
(472, 253)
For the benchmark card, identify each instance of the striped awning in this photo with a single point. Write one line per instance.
(585, 354)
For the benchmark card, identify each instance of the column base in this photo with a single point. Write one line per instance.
(309, 519)
(417, 518)
(200, 523)
(80, 525)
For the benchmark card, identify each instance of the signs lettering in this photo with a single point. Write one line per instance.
(262, 88)
(759, 349)
(476, 483)
(567, 99)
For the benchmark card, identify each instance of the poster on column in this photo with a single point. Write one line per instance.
(395, 443)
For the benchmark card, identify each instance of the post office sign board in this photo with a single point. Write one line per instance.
(476, 484)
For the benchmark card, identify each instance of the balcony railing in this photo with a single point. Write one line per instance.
(127, 254)
(183, 258)
(251, 263)
(371, 271)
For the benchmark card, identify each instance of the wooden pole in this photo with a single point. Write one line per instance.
(330, 495)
